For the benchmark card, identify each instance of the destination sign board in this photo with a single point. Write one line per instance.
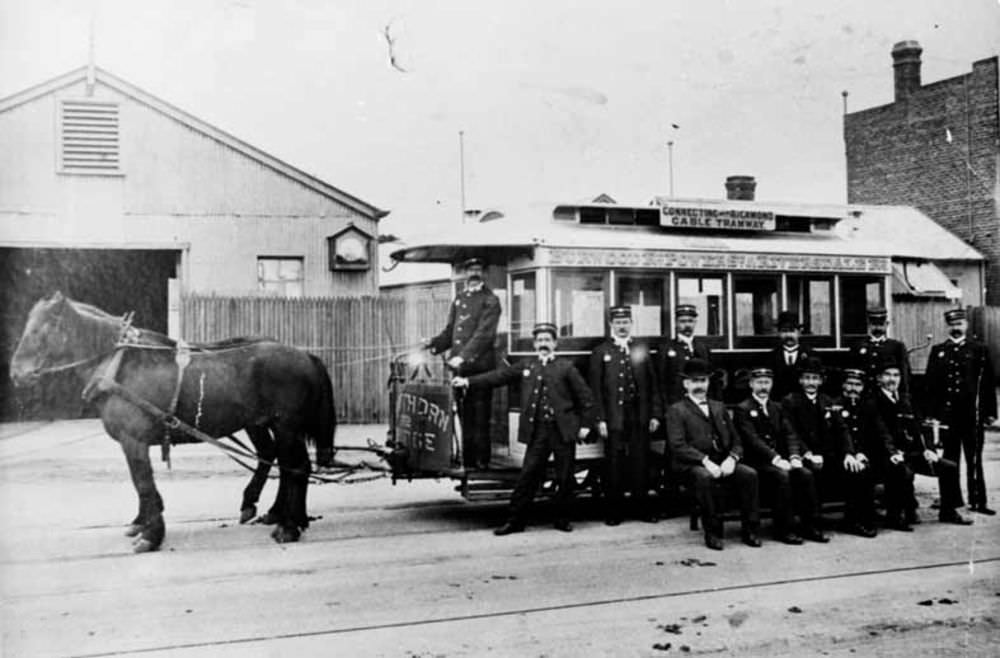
(720, 219)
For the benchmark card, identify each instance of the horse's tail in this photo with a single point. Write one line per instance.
(324, 418)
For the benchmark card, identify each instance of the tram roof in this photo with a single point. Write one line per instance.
(856, 230)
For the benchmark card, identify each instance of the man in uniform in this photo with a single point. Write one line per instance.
(787, 356)
(766, 435)
(629, 408)
(468, 339)
(707, 453)
(903, 452)
(961, 393)
(857, 474)
(674, 353)
(875, 347)
(557, 409)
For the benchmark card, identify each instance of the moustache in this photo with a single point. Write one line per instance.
(878, 332)
(956, 333)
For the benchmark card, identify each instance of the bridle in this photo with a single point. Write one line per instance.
(127, 335)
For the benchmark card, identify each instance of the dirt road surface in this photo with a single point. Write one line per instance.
(413, 570)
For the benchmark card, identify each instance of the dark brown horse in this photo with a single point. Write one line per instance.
(269, 389)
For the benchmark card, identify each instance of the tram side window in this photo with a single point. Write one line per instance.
(858, 293)
(579, 307)
(707, 295)
(522, 310)
(645, 294)
(811, 297)
(755, 305)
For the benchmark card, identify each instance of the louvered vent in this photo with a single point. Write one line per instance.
(89, 137)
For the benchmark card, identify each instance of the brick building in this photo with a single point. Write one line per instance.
(936, 147)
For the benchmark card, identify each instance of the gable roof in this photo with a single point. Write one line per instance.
(127, 89)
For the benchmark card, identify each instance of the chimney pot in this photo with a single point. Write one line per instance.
(906, 66)
(740, 188)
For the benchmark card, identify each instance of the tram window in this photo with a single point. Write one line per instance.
(812, 298)
(522, 309)
(755, 304)
(858, 293)
(706, 293)
(579, 305)
(645, 294)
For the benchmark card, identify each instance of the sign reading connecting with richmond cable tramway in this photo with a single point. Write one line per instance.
(723, 219)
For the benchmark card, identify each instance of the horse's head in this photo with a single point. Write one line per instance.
(47, 340)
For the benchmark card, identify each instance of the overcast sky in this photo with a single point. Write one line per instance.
(558, 100)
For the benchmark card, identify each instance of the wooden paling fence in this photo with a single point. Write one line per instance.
(355, 337)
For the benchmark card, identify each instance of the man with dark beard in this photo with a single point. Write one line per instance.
(875, 347)
(557, 410)
(856, 476)
(961, 393)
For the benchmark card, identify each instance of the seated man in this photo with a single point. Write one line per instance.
(557, 409)
(903, 452)
(857, 473)
(706, 452)
(766, 435)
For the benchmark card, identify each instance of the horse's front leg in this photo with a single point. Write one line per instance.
(264, 445)
(149, 521)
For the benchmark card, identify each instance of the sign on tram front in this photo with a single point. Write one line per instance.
(718, 218)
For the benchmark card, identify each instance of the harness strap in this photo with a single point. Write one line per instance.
(183, 358)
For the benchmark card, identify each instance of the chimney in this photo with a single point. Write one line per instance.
(906, 62)
(740, 188)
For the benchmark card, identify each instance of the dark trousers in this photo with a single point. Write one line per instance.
(546, 440)
(626, 455)
(789, 493)
(857, 490)
(477, 406)
(899, 496)
(963, 436)
(710, 495)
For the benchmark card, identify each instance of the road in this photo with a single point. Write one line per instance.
(412, 570)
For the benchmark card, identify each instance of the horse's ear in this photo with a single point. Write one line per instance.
(57, 296)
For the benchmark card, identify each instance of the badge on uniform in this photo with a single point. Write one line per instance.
(827, 415)
(845, 413)
(863, 350)
(940, 355)
(607, 358)
(671, 353)
(526, 373)
(753, 413)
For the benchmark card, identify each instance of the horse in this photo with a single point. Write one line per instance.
(140, 381)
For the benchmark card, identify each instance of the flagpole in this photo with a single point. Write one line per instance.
(461, 166)
(670, 165)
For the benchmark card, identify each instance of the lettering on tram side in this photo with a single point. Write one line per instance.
(727, 219)
(422, 417)
(715, 260)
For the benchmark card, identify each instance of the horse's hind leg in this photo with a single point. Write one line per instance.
(150, 517)
(293, 459)
(264, 445)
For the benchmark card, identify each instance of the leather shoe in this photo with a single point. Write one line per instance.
(613, 521)
(649, 518)
(982, 509)
(814, 534)
(714, 542)
(952, 516)
(563, 525)
(789, 538)
(912, 518)
(862, 530)
(750, 538)
(898, 524)
(508, 528)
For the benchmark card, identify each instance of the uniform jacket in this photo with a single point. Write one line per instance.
(693, 435)
(858, 424)
(895, 425)
(672, 356)
(868, 355)
(568, 393)
(956, 374)
(609, 385)
(818, 428)
(764, 435)
(471, 330)
(786, 377)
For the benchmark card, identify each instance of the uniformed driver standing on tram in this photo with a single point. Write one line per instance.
(468, 339)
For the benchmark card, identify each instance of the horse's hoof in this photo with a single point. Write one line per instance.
(133, 530)
(248, 514)
(284, 535)
(143, 545)
(266, 519)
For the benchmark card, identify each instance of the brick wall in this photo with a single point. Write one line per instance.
(899, 154)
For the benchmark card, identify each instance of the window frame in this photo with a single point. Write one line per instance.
(302, 281)
(879, 279)
(714, 342)
(755, 340)
(663, 277)
(579, 343)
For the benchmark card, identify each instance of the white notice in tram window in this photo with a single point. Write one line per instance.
(646, 320)
(588, 313)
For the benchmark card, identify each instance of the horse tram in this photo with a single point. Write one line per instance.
(738, 262)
